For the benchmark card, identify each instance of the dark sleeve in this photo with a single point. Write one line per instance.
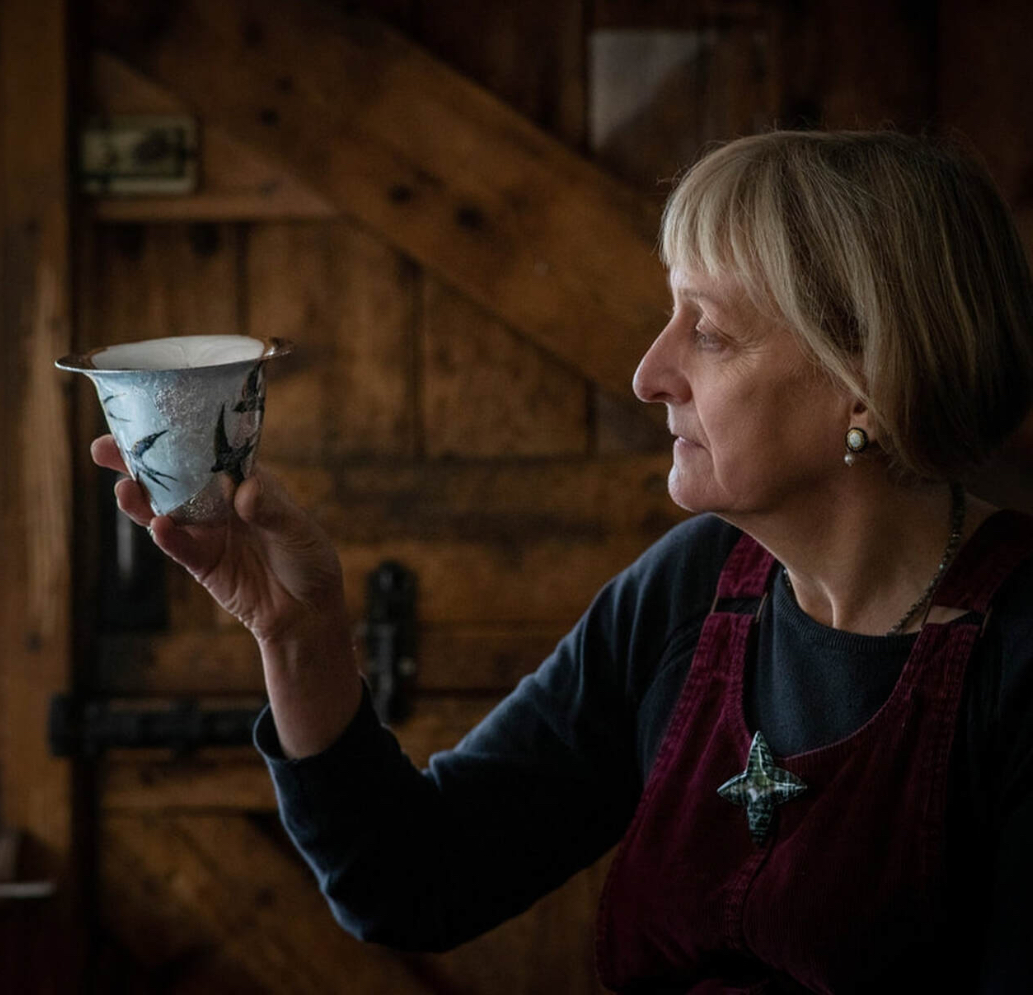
(426, 860)
(1006, 763)
(1008, 960)
(541, 788)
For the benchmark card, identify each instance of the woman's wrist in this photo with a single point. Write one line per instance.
(314, 687)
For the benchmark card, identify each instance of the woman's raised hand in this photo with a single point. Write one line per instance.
(270, 564)
(274, 568)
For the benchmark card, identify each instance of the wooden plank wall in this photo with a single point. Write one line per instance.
(417, 423)
(432, 414)
(40, 947)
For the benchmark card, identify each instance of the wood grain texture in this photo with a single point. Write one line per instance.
(238, 905)
(430, 162)
(487, 392)
(625, 426)
(149, 281)
(215, 780)
(227, 885)
(708, 82)
(671, 15)
(349, 302)
(550, 581)
(36, 655)
(236, 779)
(507, 501)
(529, 54)
(235, 181)
(856, 64)
(200, 661)
(36, 488)
(477, 526)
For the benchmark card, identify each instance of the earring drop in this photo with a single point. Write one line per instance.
(856, 442)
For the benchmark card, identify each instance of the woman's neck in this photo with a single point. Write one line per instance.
(859, 559)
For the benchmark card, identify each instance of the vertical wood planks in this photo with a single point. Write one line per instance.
(149, 281)
(531, 54)
(164, 279)
(661, 88)
(349, 302)
(488, 392)
(39, 948)
(432, 163)
(856, 64)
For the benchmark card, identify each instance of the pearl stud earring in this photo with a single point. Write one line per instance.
(856, 442)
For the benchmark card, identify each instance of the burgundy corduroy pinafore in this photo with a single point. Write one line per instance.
(845, 883)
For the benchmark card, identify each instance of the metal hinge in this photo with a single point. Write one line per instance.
(86, 728)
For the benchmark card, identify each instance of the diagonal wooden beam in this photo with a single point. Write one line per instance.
(237, 184)
(434, 164)
(181, 891)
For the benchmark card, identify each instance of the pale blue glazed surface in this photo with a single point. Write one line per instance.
(178, 429)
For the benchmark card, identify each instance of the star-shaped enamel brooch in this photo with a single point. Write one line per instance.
(760, 788)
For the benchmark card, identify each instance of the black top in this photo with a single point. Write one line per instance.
(549, 781)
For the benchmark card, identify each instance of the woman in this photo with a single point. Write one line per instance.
(806, 711)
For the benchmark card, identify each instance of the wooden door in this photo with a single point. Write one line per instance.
(442, 409)
(470, 293)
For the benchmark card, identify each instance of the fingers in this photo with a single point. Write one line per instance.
(105, 453)
(195, 552)
(132, 499)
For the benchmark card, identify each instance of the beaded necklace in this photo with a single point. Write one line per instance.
(950, 551)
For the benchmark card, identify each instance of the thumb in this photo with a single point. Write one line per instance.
(263, 503)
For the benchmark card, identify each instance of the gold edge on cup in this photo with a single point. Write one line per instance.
(275, 347)
(77, 362)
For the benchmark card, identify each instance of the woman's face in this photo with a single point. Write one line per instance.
(755, 425)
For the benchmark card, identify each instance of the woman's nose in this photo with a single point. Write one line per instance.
(658, 377)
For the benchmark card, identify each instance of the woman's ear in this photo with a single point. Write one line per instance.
(859, 417)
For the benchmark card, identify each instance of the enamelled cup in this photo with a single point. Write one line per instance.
(186, 413)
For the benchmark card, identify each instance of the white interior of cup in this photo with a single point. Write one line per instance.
(183, 352)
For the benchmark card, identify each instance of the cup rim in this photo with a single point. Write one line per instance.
(272, 348)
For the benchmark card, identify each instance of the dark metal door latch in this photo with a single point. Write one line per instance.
(390, 639)
(86, 727)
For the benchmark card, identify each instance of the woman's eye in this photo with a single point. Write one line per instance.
(705, 340)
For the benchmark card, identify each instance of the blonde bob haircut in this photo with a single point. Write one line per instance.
(897, 265)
